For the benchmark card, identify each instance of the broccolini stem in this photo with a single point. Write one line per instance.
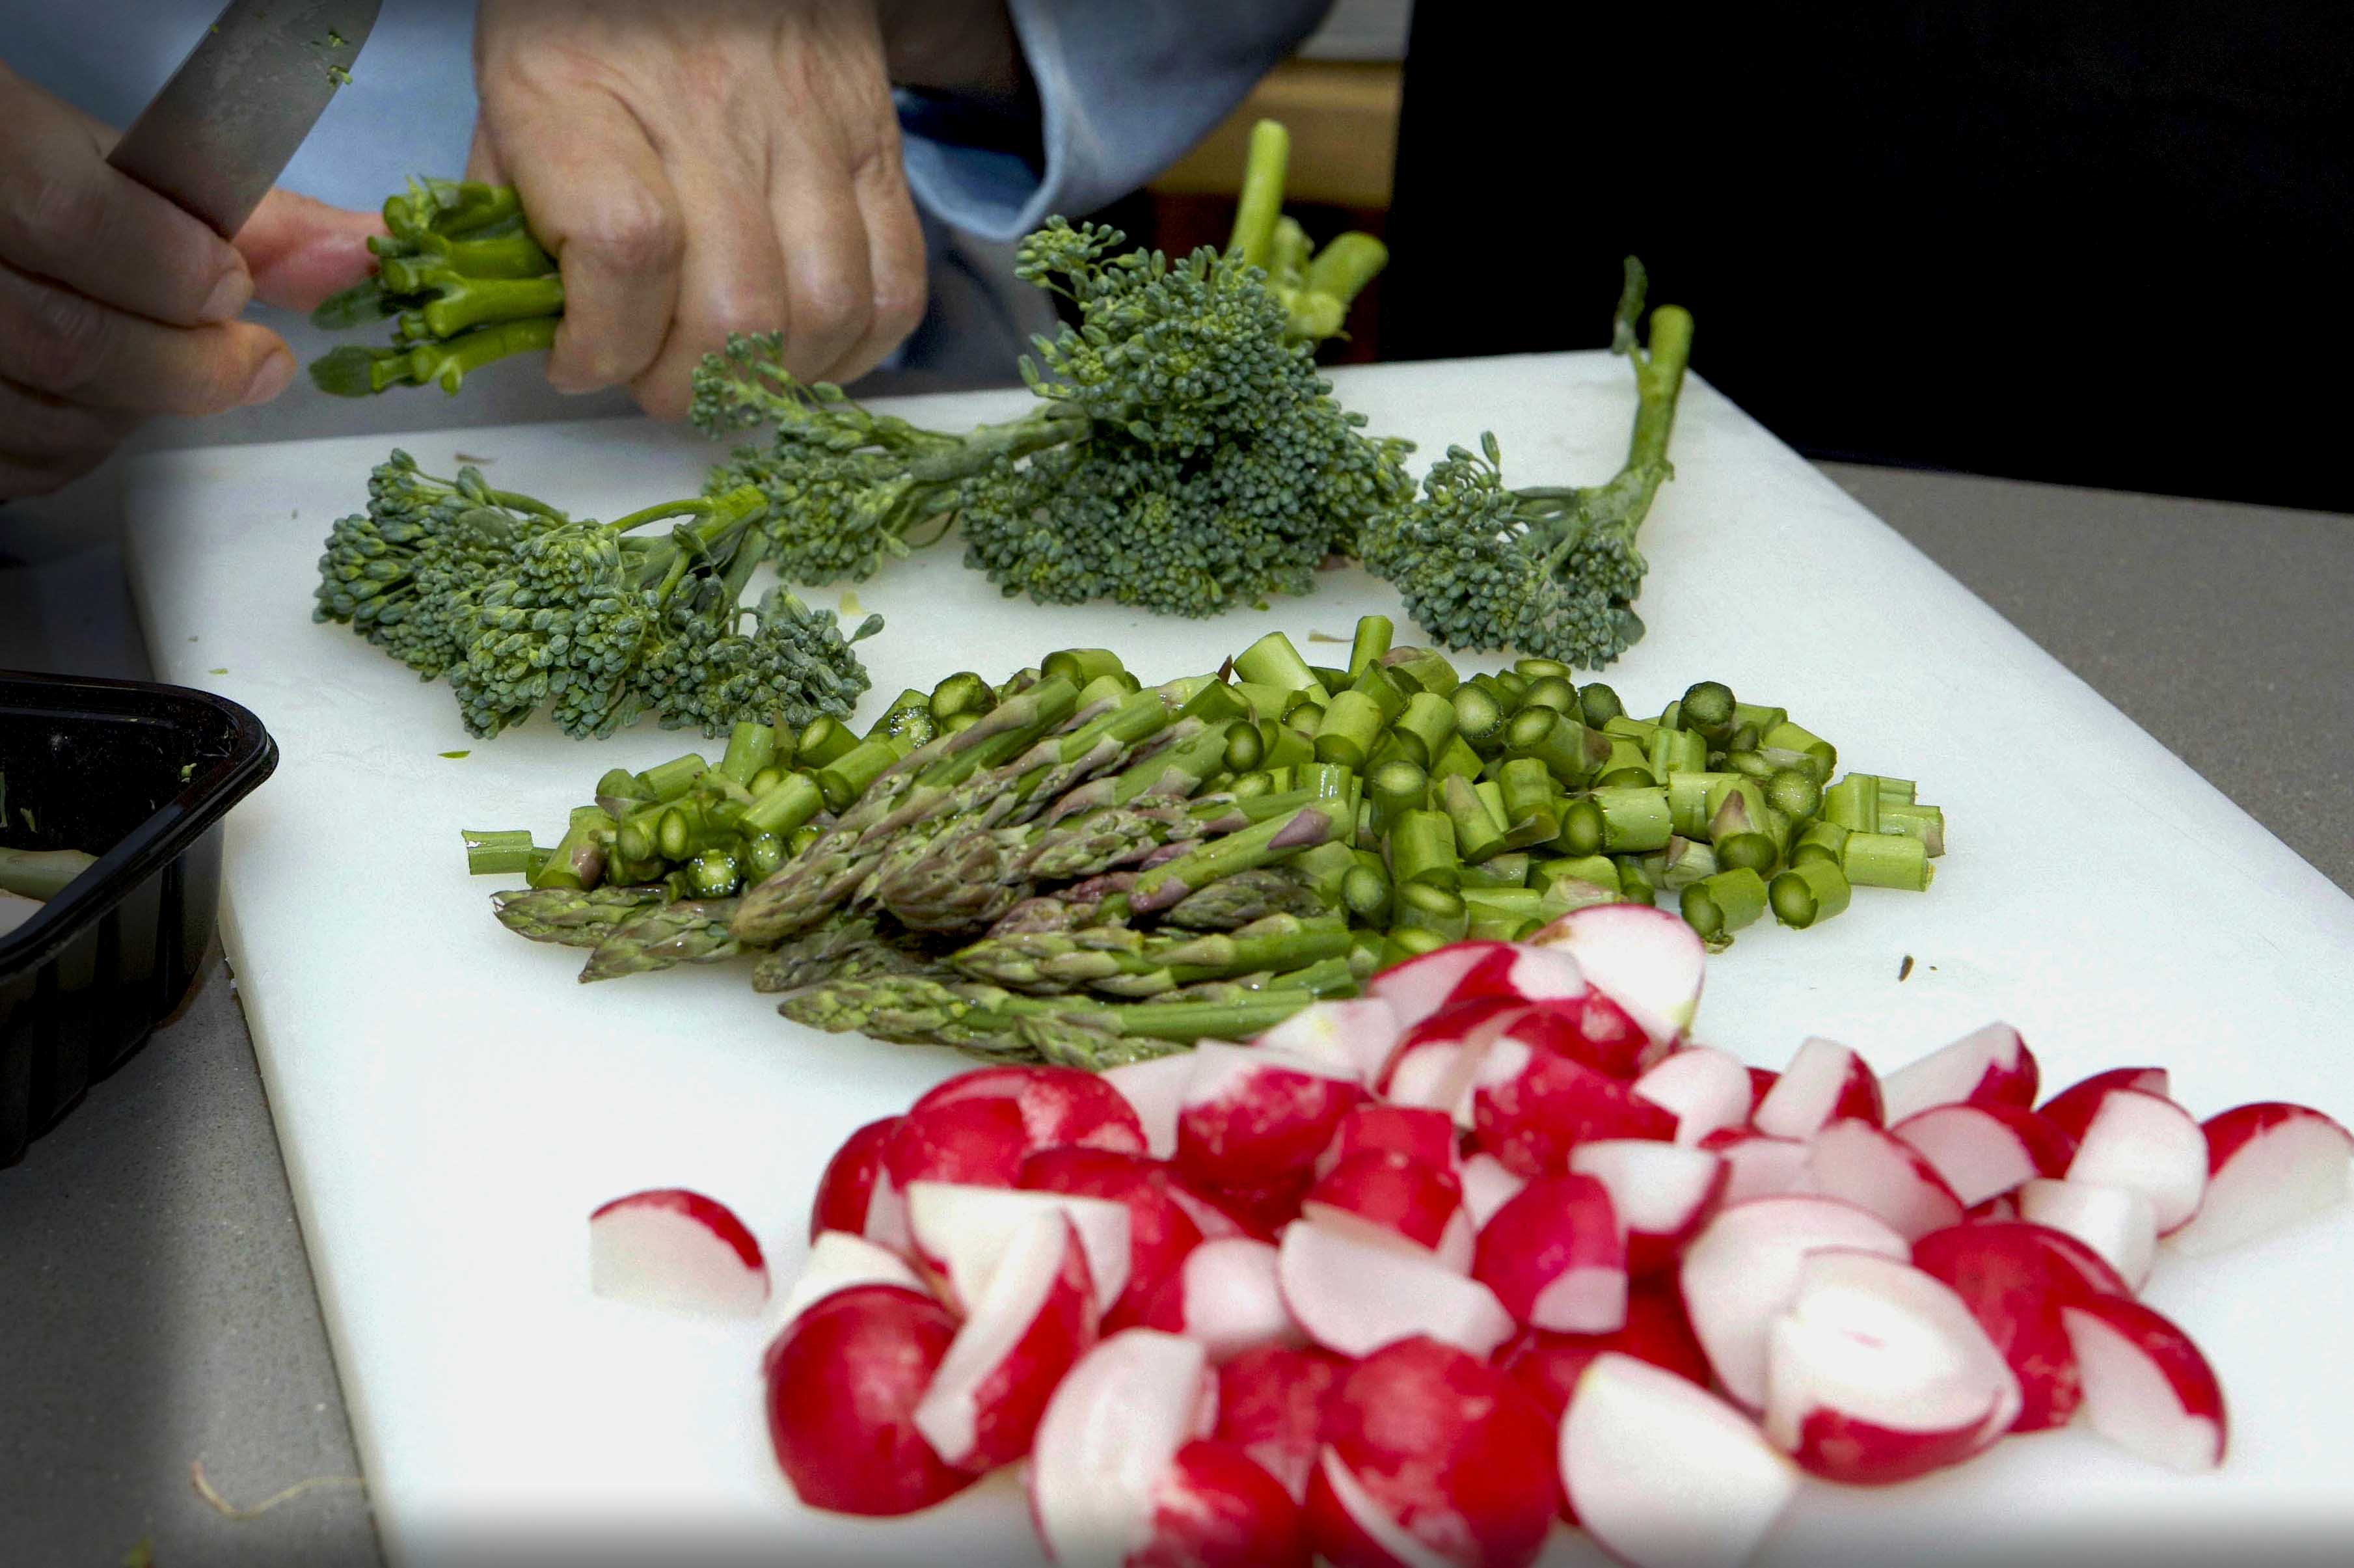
(1261, 203)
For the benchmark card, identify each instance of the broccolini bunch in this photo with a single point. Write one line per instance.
(523, 608)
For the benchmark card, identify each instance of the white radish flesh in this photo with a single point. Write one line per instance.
(1154, 1089)
(961, 1233)
(1660, 1192)
(1756, 1166)
(1557, 1257)
(1109, 1435)
(1825, 1082)
(839, 1261)
(1706, 1089)
(1743, 1269)
(1531, 1107)
(1349, 1525)
(1062, 1108)
(2268, 1167)
(2071, 1110)
(1992, 1064)
(2147, 1388)
(1161, 1230)
(853, 1191)
(1488, 1183)
(1647, 960)
(2116, 1223)
(1037, 1317)
(1666, 1475)
(1390, 1199)
(1416, 1131)
(1356, 1035)
(1984, 1152)
(2150, 1146)
(1875, 1170)
(1422, 985)
(1226, 1296)
(1252, 1118)
(672, 1248)
(1355, 1296)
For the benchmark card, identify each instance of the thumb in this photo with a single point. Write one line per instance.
(300, 250)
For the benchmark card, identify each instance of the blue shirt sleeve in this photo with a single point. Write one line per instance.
(1124, 90)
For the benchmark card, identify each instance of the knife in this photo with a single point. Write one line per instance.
(222, 130)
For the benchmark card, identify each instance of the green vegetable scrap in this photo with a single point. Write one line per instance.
(523, 608)
(1074, 866)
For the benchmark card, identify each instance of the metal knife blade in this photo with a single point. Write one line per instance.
(222, 130)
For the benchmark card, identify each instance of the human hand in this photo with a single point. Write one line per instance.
(116, 305)
(696, 170)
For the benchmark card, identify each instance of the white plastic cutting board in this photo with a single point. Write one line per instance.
(453, 1105)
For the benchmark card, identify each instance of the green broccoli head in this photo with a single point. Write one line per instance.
(794, 663)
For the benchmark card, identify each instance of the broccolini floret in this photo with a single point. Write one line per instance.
(1551, 572)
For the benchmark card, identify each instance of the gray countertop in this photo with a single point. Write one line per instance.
(156, 1304)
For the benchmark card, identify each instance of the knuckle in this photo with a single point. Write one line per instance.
(45, 210)
(633, 235)
(900, 302)
(56, 341)
(830, 309)
(748, 309)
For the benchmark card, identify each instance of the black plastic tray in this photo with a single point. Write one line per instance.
(147, 772)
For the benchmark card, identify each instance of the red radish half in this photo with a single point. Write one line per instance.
(1438, 1060)
(1988, 1066)
(1664, 1474)
(1745, 1266)
(1878, 1372)
(1160, 1230)
(1756, 1166)
(1416, 1131)
(2071, 1110)
(1032, 1324)
(1647, 960)
(2014, 1277)
(1984, 1152)
(1110, 1433)
(2146, 1387)
(1824, 1083)
(839, 1261)
(1530, 1107)
(1252, 1118)
(670, 1248)
(1877, 1171)
(1226, 1296)
(1706, 1090)
(1761, 1083)
(1488, 1184)
(963, 1232)
(1356, 1035)
(1271, 1405)
(1217, 1213)
(2268, 1166)
(847, 1193)
(1388, 1198)
(1660, 1192)
(1446, 1449)
(842, 1382)
(974, 1143)
(1062, 1108)
(1556, 1258)
(2116, 1223)
(1423, 984)
(2150, 1146)
(1590, 1027)
(1217, 1508)
(1355, 1296)
(1154, 1090)
(1348, 1526)
(1656, 1331)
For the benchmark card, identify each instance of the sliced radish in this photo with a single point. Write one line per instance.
(1877, 1171)
(1707, 1090)
(1824, 1083)
(1488, 1183)
(1590, 1027)
(670, 1247)
(1661, 1192)
(1062, 1108)
(1761, 1083)
(1455, 1454)
(974, 1143)
(1214, 1213)
(1984, 1152)
(2150, 1146)
(1271, 1405)
(1664, 1474)
(1036, 1319)
(839, 1261)
(2116, 1223)
(1215, 1507)
(1418, 1132)
(1532, 1107)
(1744, 1269)
(1989, 1066)
(1422, 985)
(1388, 1198)
(1161, 1232)
(2147, 1388)
(1877, 1372)
(2268, 1167)
(842, 1384)
(1557, 1257)
(961, 1233)
(1350, 1529)
(1154, 1089)
(1252, 1118)
(1109, 1435)
(1656, 1331)
(846, 1193)
(2014, 1278)
(1226, 1296)
(1647, 960)
(1438, 1060)
(1355, 1296)
(1356, 1035)
(1756, 1166)
(2071, 1110)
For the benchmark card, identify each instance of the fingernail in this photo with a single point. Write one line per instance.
(270, 379)
(229, 297)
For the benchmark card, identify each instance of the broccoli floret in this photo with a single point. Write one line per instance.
(1551, 572)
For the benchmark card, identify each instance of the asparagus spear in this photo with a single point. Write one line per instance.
(571, 916)
(689, 931)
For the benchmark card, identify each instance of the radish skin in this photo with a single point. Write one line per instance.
(2071, 1110)
(1252, 1118)
(1216, 1507)
(841, 1384)
(846, 1193)
(2269, 1166)
(1984, 1151)
(1061, 1108)
(2147, 1389)
(1390, 1199)
(1555, 1257)
(677, 1249)
(1647, 960)
(1110, 1433)
(1271, 1403)
(1825, 1082)
(2147, 1145)
(2014, 1277)
(1988, 1065)
(1660, 1192)
(2116, 1222)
